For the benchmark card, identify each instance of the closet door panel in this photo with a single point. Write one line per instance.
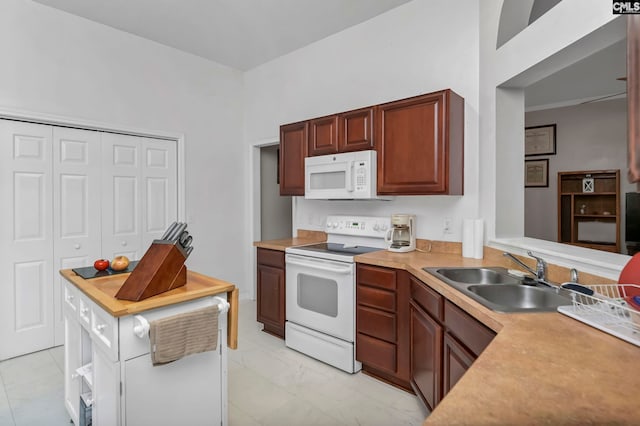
(159, 174)
(76, 206)
(26, 238)
(121, 196)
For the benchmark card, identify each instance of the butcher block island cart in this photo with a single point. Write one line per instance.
(110, 377)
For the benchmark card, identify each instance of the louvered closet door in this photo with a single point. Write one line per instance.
(76, 207)
(26, 239)
(139, 192)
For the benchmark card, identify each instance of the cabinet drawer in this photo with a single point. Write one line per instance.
(376, 276)
(377, 298)
(71, 298)
(376, 353)
(429, 299)
(104, 331)
(474, 335)
(273, 258)
(85, 313)
(376, 323)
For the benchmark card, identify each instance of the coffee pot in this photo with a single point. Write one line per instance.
(402, 235)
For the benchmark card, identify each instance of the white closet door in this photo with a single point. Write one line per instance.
(76, 207)
(121, 196)
(26, 242)
(160, 188)
(139, 192)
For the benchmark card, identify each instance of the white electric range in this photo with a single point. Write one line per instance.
(321, 288)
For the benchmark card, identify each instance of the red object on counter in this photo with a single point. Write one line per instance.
(630, 274)
(101, 264)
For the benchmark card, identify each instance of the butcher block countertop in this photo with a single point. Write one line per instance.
(541, 368)
(102, 291)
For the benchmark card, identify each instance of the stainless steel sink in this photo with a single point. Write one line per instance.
(477, 276)
(519, 296)
(494, 288)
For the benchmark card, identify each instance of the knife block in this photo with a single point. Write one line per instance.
(161, 269)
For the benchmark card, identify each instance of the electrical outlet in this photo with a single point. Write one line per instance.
(447, 225)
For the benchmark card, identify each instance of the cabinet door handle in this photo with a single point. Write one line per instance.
(84, 310)
(74, 376)
(70, 297)
(77, 246)
(100, 327)
(124, 243)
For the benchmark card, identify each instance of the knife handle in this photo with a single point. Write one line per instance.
(169, 230)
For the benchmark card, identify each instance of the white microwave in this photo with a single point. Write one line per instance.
(345, 176)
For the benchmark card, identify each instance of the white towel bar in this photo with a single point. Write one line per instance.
(141, 325)
(223, 305)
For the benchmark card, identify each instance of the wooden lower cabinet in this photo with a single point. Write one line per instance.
(426, 356)
(464, 341)
(444, 342)
(271, 291)
(457, 361)
(382, 318)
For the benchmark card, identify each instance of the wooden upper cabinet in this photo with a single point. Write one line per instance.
(356, 130)
(344, 132)
(420, 144)
(323, 135)
(293, 150)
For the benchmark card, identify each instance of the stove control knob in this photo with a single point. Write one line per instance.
(383, 227)
(376, 227)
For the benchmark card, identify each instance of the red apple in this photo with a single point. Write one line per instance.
(120, 263)
(101, 264)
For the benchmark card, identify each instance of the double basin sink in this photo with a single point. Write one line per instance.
(496, 289)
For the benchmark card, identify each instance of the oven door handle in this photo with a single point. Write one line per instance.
(320, 265)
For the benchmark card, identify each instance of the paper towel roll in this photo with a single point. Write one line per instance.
(468, 238)
(478, 239)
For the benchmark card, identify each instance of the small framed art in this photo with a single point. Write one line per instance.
(540, 140)
(536, 173)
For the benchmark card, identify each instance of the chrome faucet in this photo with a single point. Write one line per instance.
(541, 265)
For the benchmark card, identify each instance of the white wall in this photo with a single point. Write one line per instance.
(420, 47)
(58, 64)
(571, 30)
(589, 137)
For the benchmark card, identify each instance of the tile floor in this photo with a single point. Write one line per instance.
(269, 384)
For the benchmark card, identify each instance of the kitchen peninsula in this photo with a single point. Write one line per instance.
(540, 367)
(109, 375)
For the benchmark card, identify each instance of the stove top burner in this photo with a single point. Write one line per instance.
(338, 248)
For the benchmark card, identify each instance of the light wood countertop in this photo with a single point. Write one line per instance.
(542, 368)
(103, 290)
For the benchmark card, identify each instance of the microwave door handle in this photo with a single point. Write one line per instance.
(350, 176)
(322, 267)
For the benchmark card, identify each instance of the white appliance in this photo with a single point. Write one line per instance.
(321, 289)
(402, 235)
(347, 176)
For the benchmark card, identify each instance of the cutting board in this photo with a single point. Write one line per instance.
(91, 272)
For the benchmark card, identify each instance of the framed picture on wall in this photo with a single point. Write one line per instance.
(540, 140)
(536, 173)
